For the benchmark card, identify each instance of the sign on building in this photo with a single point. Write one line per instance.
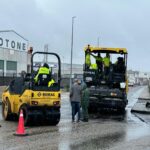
(12, 40)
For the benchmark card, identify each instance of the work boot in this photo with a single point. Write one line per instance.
(85, 120)
(78, 121)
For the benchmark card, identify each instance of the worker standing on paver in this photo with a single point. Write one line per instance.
(85, 102)
(106, 61)
(87, 59)
(75, 99)
(99, 62)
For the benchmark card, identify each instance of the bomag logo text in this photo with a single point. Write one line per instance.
(48, 94)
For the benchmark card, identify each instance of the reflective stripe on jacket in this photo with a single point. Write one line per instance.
(50, 83)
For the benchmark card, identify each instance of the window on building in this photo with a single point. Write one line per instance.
(1, 67)
(11, 67)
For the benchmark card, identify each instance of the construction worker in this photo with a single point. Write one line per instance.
(87, 59)
(85, 103)
(44, 70)
(120, 65)
(75, 99)
(106, 62)
(99, 61)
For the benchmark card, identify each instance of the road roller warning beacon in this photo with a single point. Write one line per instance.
(36, 93)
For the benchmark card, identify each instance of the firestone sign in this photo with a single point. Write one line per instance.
(13, 41)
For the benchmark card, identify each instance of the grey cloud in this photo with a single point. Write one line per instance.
(118, 24)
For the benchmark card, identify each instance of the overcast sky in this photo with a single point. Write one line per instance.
(118, 23)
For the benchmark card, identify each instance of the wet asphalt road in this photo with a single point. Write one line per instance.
(106, 131)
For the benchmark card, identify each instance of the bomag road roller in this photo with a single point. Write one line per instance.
(39, 101)
(106, 78)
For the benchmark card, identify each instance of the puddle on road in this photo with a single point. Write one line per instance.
(137, 132)
(108, 141)
(67, 128)
(90, 143)
(135, 129)
(99, 142)
(31, 131)
(64, 145)
(131, 101)
(143, 128)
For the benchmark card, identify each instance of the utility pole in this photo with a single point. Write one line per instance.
(45, 50)
(71, 51)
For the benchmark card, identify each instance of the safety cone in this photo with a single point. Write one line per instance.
(20, 130)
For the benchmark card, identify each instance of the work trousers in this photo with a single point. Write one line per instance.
(75, 110)
(85, 110)
(106, 71)
(100, 66)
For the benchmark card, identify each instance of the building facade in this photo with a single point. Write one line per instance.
(13, 53)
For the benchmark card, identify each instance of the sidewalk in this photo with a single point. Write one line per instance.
(140, 106)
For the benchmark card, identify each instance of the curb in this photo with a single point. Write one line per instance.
(143, 98)
(140, 111)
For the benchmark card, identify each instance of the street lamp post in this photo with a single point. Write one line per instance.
(63, 65)
(71, 51)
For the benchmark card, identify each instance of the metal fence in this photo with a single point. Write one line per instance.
(5, 79)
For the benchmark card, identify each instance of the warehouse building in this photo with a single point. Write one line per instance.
(14, 57)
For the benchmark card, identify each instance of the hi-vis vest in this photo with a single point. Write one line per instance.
(99, 59)
(42, 70)
(106, 61)
(87, 59)
(93, 66)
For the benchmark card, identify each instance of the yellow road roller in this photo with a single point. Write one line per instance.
(38, 100)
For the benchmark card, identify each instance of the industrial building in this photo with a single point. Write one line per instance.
(14, 57)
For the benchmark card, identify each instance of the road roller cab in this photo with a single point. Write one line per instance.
(39, 100)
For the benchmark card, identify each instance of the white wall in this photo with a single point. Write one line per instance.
(14, 55)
